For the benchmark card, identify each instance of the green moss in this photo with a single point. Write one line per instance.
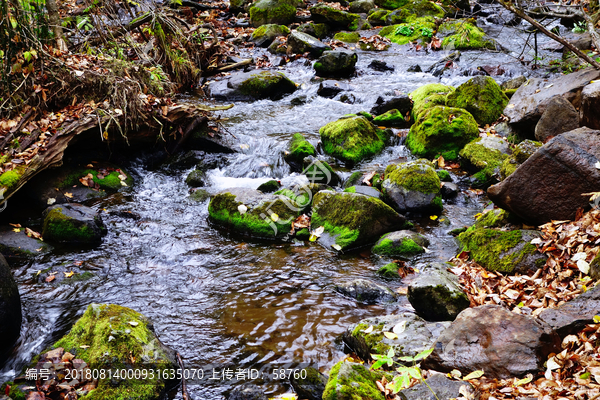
(389, 271)
(441, 131)
(351, 139)
(303, 234)
(365, 114)
(428, 96)
(509, 92)
(354, 179)
(509, 165)
(272, 12)
(415, 29)
(486, 160)
(391, 4)
(464, 35)
(323, 13)
(399, 16)
(377, 18)
(377, 181)
(489, 248)
(494, 219)
(110, 182)
(14, 392)
(299, 148)
(414, 176)
(482, 97)
(271, 30)
(347, 37)
(525, 149)
(269, 186)
(373, 339)
(9, 179)
(357, 385)
(351, 189)
(133, 342)
(407, 247)
(444, 175)
(392, 118)
(61, 228)
(424, 8)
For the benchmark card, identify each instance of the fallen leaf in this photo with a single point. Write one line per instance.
(390, 335)
(369, 329)
(399, 327)
(69, 274)
(69, 195)
(50, 278)
(474, 375)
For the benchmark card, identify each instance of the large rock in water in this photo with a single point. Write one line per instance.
(550, 184)
(441, 131)
(337, 63)
(412, 186)
(352, 220)
(352, 139)
(366, 291)
(495, 340)
(414, 335)
(560, 116)
(508, 252)
(252, 213)
(298, 149)
(10, 310)
(299, 43)
(400, 244)
(280, 12)
(73, 223)
(482, 97)
(254, 85)
(436, 294)
(352, 381)
(428, 96)
(529, 102)
(113, 337)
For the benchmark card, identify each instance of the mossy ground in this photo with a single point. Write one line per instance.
(134, 345)
(441, 131)
(482, 97)
(351, 139)
(488, 248)
(407, 247)
(410, 31)
(57, 226)
(465, 36)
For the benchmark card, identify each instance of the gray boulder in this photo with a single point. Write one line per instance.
(550, 184)
(17, 245)
(336, 63)
(590, 104)
(560, 116)
(495, 340)
(436, 293)
(300, 43)
(513, 83)
(255, 85)
(10, 310)
(366, 291)
(330, 89)
(440, 384)
(73, 223)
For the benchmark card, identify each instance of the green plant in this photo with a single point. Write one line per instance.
(405, 374)
(580, 27)
(404, 30)
(427, 32)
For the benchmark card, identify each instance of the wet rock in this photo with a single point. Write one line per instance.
(200, 195)
(412, 186)
(10, 310)
(493, 339)
(482, 97)
(414, 68)
(381, 66)
(440, 384)
(320, 172)
(400, 244)
(264, 35)
(247, 392)
(336, 63)
(436, 294)
(437, 69)
(349, 381)
(590, 104)
(278, 46)
(392, 119)
(533, 191)
(504, 17)
(269, 186)
(310, 388)
(17, 245)
(317, 30)
(530, 101)
(560, 116)
(187, 159)
(366, 291)
(485, 156)
(236, 6)
(300, 43)
(252, 213)
(298, 149)
(414, 335)
(73, 223)
(449, 190)
(508, 252)
(352, 220)
(436, 133)
(389, 271)
(352, 139)
(402, 103)
(361, 6)
(330, 89)
(196, 178)
(572, 316)
(513, 83)
(366, 190)
(247, 86)
(322, 13)
(281, 12)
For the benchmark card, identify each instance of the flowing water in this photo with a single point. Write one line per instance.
(222, 300)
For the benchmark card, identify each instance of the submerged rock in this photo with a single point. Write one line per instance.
(412, 186)
(400, 244)
(493, 339)
(352, 381)
(73, 223)
(352, 220)
(366, 291)
(10, 310)
(330, 88)
(255, 85)
(480, 96)
(337, 63)
(352, 139)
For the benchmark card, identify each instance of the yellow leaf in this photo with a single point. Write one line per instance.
(69, 195)
(69, 274)
(433, 217)
(525, 380)
(597, 319)
(390, 335)
(478, 215)
(474, 375)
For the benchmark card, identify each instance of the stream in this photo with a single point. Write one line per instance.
(222, 300)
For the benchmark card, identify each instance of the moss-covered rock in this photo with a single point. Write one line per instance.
(520, 154)
(264, 35)
(503, 251)
(464, 35)
(417, 335)
(352, 381)
(428, 96)
(482, 97)
(392, 118)
(443, 175)
(320, 172)
(196, 178)
(281, 12)
(441, 131)
(254, 85)
(269, 186)
(72, 223)
(361, 6)
(352, 139)
(252, 213)
(412, 186)
(400, 244)
(236, 6)
(109, 336)
(377, 18)
(424, 8)
(9, 179)
(391, 4)
(352, 220)
(347, 37)
(417, 29)
(322, 13)
(336, 63)
(486, 156)
(200, 195)
(311, 386)
(298, 149)
(389, 271)
(497, 218)
(317, 30)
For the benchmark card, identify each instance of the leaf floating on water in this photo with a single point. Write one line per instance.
(242, 209)
(133, 323)
(390, 335)
(369, 329)
(399, 328)
(474, 375)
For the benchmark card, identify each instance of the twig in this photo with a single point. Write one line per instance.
(240, 64)
(184, 392)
